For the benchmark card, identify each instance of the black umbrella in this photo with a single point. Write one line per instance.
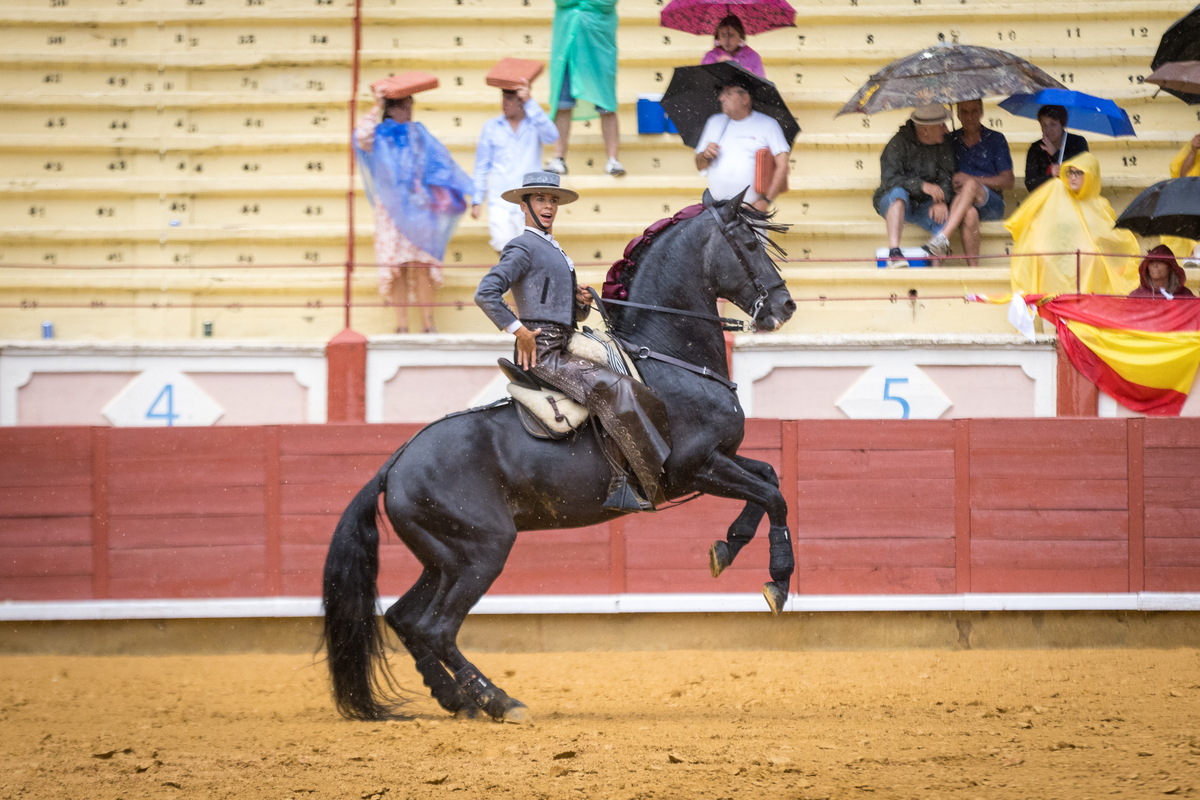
(1181, 42)
(692, 98)
(1168, 208)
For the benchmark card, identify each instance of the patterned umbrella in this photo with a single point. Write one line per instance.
(1180, 78)
(701, 16)
(947, 73)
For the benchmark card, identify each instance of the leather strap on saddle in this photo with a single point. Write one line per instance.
(642, 353)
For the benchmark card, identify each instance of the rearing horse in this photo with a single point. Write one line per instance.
(459, 491)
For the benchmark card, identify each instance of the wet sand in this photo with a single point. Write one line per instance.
(676, 724)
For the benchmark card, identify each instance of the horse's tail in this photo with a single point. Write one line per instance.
(352, 636)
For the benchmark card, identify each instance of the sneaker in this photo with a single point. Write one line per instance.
(614, 168)
(896, 259)
(557, 166)
(937, 246)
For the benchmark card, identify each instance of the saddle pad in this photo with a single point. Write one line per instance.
(538, 402)
(601, 348)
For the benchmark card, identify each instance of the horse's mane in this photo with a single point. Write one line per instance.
(760, 222)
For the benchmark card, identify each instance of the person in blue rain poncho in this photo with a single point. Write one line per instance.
(418, 194)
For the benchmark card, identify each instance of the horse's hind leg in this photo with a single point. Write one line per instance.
(404, 617)
(722, 554)
(480, 563)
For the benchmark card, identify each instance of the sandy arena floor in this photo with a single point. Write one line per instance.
(912, 724)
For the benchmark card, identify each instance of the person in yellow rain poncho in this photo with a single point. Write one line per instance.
(1064, 215)
(1186, 164)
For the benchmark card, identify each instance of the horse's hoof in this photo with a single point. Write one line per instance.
(718, 558)
(518, 714)
(776, 597)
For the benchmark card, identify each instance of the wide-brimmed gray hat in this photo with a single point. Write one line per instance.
(932, 114)
(543, 183)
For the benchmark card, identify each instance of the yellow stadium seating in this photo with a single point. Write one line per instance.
(165, 151)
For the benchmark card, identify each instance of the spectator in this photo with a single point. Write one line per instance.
(1042, 161)
(510, 145)
(918, 169)
(1186, 164)
(982, 154)
(1063, 216)
(729, 145)
(1161, 276)
(418, 194)
(583, 66)
(730, 45)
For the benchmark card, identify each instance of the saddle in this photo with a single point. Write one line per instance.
(547, 413)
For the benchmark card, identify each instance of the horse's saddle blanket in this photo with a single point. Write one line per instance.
(549, 414)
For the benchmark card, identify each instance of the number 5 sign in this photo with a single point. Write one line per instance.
(162, 398)
(901, 391)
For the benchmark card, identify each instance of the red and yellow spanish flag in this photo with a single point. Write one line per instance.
(1142, 351)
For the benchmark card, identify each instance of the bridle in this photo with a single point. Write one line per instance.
(763, 292)
(726, 323)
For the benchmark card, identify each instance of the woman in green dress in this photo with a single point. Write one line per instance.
(583, 75)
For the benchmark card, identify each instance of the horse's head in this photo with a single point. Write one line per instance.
(740, 263)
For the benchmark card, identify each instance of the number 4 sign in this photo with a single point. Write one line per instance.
(162, 398)
(900, 391)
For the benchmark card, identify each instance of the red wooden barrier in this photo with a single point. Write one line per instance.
(1045, 505)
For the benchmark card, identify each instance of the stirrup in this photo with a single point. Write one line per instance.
(622, 496)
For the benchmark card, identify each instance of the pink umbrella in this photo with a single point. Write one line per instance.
(701, 16)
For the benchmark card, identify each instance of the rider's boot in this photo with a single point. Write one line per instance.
(623, 493)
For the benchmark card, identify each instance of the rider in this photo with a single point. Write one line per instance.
(542, 279)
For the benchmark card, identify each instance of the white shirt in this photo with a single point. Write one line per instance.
(503, 155)
(512, 326)
(740, 140)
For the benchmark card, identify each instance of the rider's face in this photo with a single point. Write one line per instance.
(545, 207)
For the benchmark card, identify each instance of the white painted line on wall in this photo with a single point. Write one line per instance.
(270, 607)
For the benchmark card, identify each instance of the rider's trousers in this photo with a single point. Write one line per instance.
(630, 412)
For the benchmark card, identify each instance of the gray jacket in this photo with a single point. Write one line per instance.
(542, 280)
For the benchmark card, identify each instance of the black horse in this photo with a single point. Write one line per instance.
(459, 491)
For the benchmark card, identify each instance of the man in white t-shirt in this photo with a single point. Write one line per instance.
(729, 144)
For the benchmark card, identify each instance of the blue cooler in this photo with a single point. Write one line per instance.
(651, 117)
(915, 256)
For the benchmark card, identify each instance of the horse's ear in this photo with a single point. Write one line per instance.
(707, 199)
(733, 205)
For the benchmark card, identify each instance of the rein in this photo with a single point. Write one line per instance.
(727, 323)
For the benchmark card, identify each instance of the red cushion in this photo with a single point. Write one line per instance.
(403, 85)
(508, 72)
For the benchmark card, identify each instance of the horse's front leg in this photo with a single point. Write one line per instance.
(755, 482)
(722, 554)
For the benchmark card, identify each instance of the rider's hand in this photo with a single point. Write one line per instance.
(939, 212)
(526, 347)
(583, 295)
(475, 209)
(934, 191)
